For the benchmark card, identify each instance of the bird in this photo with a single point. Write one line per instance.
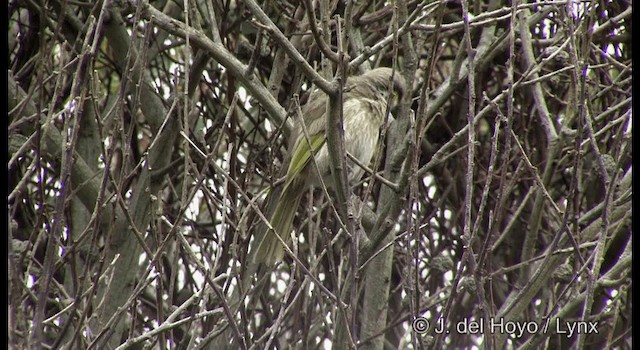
(364, 106)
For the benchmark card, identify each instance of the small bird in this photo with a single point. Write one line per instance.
(364, 106)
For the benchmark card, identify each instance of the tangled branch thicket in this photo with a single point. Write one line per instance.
(144, 137)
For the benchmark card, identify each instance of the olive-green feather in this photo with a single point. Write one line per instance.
(270, 249)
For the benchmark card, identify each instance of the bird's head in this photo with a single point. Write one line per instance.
(377, 84)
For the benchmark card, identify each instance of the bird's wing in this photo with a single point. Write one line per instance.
(302, 154)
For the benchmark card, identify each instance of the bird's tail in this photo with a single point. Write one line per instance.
(270, 249)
